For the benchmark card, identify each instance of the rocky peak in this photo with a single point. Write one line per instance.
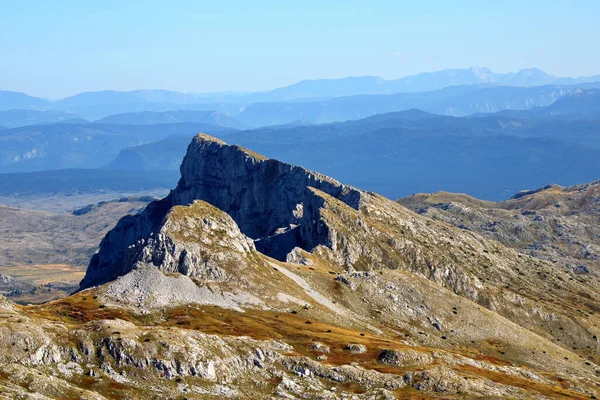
(268, 201)
(262, 195)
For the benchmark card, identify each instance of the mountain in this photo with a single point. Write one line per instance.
(326, 88)
(18, 118)
(260, 109)
(100, 104)
(255, 278)
(579, 104)
(119, 97)
(169, 117)
(452, 101)
(16, 100)
(163, 155)
(553, 223)
(91, 145)
(423, 82)
(397, 154)
(98, 111)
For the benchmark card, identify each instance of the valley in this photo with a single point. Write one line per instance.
(48, 256)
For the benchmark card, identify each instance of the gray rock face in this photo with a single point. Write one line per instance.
(9, 285)
(261, 195)
(269, 201)
(194, 241)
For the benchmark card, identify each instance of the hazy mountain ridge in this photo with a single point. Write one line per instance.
(215, 118)
(423, 82)
(451, 101)
(412, 140)
(397, 154)
(580, 104)
(92, 145)
(16, 100)
(94, 105)
(146, 157)
(19, 118)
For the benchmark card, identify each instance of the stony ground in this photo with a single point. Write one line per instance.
(554, 223)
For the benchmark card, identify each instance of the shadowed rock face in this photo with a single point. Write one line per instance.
(269, 200)
(261, 195)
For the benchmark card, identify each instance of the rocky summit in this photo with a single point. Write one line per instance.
(258, 279)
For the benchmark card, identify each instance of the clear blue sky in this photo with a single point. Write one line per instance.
(55, 48)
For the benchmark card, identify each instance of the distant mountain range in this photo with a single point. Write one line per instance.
(399, 153)
(91, 145)
(573, 119)
(215, 118)
(483, 139)
(16, 100)
(578, 104)
(453, 101)
(95, 105)
(423, 82)
(17, 118)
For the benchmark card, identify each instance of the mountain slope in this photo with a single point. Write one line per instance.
(16, 100)
(553, 223)
(580, 104)
(255, 278)
(147, 158)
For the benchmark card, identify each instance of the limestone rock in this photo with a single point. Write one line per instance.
(356, 348)
(270, 201)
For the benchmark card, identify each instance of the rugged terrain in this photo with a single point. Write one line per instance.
(258, 279)
(43, 255)
(397, 154)
(554, 223)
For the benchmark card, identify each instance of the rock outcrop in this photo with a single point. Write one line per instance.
(554, 223)
(269, 201)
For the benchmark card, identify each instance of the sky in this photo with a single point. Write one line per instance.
(59, 48)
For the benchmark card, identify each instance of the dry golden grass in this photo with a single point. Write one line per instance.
(295, 328)
(42, 274)
(559, 391)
